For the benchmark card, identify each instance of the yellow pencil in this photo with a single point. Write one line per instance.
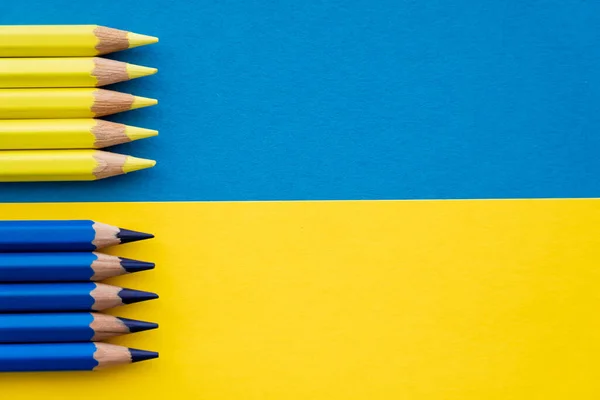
(66, 40)
(29, 134)
(66, 165)
(66, 103)
(66, 72)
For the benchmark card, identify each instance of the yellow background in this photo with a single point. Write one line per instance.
(352, 300)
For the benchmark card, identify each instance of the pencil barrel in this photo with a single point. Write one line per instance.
(51, 297)
(47, 267)
(46, 328)
(47, 236)
(47, 357)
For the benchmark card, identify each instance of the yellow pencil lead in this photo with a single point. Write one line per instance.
(137, 71)
(136, 164)
(136, 40)
(135, 133)
(141, 102)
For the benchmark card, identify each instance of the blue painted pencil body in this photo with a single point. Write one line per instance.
(23, 236)
(46, 328)
(46, 267)
(46, 297)
(47, 357)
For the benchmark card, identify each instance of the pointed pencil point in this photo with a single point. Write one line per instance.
(137, 71)
(141, 102)
(130, 296)
(137, 40)
(127, 236)
(136, 164)
(135, 133)
(138, 326)
(142, 355)
(135, 265)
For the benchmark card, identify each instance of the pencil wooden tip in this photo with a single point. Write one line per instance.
(141, 102)
(135, 133)
(135, 164)
(138, 71)
(137, 40)
(142, 355)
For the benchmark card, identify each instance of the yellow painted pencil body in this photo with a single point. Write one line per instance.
(66, 103)
(26, 134)
(66, 40)
(66, 72)
(66, 165)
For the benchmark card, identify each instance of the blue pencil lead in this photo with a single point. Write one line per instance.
(138, 326)
(130, 296)
(128, 236)
(142, 355)
(135, 265)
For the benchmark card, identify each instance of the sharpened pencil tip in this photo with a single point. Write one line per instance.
(141, 102)
(130, 296)
(136, 164)
(137, 40)
(138, 326)
(142, 355)
(137, 71)
(134, 265)
(135, 133)
(128, 236)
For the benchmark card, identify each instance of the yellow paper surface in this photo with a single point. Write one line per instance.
(449, 300)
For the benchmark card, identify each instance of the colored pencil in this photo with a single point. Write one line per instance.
(65, 267)
(66, 40)
(67, 103)
(66, 165)
(66, 327)
(67, 356)
(58, 297)
(66, 72)
(62, 236)
(31, 134)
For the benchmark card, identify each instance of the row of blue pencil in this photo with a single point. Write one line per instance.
(50, 296)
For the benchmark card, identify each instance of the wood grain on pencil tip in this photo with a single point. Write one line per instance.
(66, 103)
(108, 102)
(66, 40)
(63, 72)
(111, 40)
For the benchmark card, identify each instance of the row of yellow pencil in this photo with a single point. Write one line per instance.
(49, 99)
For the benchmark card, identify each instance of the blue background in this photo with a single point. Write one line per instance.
(282, 100)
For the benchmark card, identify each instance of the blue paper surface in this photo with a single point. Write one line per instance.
(286, 100)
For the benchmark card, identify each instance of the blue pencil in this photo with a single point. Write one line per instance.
(47, 236)
(49, 297)
(67, 356)
(66, 327)
(65, 267)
